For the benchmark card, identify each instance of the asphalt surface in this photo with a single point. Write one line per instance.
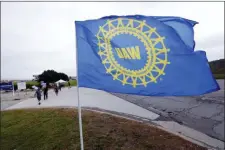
(8, 99)
(204, 113)
(89, 99)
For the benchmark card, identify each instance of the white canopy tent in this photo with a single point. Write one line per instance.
(34, 87)
(60, 81)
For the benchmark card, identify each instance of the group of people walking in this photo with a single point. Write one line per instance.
(45, 88)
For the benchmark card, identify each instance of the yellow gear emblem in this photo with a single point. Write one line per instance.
(153, 67)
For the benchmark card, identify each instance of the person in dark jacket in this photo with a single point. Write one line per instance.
(46, 92)
(60, 86)
(56, 89)
(69, 84)
(38, 95)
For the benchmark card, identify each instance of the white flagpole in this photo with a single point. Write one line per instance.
(80, 119)
(79, 107)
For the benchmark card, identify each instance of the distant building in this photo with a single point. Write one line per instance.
(73, 78)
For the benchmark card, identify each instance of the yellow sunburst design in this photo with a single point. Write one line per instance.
(148, 36)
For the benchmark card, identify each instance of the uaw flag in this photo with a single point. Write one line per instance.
(142, 55)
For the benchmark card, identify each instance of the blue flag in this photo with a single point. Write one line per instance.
(142, 55)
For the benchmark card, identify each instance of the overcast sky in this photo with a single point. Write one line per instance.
(39, 36)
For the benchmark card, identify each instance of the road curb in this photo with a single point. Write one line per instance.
(190, 134)
(174, 128)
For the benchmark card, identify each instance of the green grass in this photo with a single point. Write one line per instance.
(48, 129)
(29, 82)
(72, 83)
(32, 83)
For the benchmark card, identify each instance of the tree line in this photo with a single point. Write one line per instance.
(51, 76)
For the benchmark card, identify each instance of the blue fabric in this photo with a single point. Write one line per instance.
(7, 86)
(143, 55)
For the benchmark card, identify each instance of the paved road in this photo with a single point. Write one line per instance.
(89, 98)
(204, 113)
(7, 99)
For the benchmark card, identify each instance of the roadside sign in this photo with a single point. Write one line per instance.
(21, 85)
